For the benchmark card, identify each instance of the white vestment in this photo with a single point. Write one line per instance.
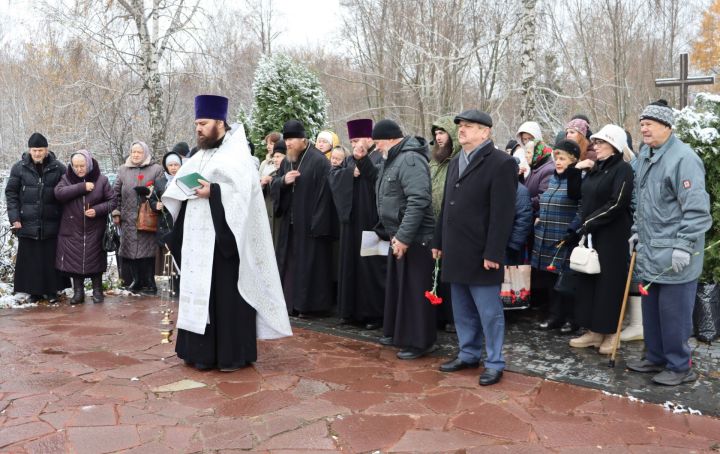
(231, 166)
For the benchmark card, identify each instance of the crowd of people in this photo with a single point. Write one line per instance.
(291, 234)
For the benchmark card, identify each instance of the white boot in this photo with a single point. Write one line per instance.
(634, 330)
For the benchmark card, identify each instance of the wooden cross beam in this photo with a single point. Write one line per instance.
(684, 81)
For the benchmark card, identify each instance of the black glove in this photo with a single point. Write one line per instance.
(571, 238)
(142, 191)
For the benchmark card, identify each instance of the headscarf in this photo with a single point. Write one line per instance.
(147, 157)
(88, 160)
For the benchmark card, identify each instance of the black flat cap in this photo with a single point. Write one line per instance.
(475, 116)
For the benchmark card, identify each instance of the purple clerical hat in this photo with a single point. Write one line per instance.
(211, 106)
(362, 127)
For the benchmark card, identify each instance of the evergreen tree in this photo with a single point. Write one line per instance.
(284, 90)
(698, 125)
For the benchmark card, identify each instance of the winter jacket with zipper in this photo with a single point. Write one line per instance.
(134, 244)
(672, 212)
(403, 189)
(79, 249)
(522, 226)
(31, 198)
(557, 211)
(165, 220)
(537, 181)
(438, 170)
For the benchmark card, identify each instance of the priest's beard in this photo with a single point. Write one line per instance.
(210, 141)
(440, 154)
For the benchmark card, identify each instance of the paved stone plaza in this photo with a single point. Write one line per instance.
(95, 379)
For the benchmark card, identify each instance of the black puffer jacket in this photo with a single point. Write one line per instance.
(31, 198)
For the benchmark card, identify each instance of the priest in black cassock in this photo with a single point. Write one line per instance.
(361, 283)
(231, 293)
(304, 249)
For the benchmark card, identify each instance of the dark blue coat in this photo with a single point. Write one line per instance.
(522, 226)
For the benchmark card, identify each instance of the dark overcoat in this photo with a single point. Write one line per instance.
(79, 248)
(31, 197)
(605, 214)
(477, 217)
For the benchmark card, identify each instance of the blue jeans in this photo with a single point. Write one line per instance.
(479, 317)
(667, 324)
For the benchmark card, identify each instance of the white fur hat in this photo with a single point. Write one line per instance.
(614, 135)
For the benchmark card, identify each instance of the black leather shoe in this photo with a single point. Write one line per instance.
(549, 324)
(34, 299)
(386, 340)
(414, 353)
(568, 328)
(490, 377)
(373, 325)
(202, 367)
(456, 365)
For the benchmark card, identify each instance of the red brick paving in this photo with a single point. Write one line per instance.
(80, 379)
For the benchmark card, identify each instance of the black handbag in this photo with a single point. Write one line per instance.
(111, 237)
(567, 282)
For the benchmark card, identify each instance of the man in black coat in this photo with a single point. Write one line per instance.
(34, 214)
(304, 249)
(471, 235)
(361, 280)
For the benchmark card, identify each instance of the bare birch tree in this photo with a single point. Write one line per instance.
(143, 36)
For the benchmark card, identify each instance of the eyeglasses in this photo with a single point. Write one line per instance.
(598, 141)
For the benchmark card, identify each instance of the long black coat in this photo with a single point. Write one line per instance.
(477, 217)
(605, 213)
(79, 248)
(31, 197)
(304, 248)
(361, 280)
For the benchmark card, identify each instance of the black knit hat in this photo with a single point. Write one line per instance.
(37, 140)
(293, 129)
(181, 148)
(386, 130)
(280, 147)
(569, 146)
(512, 143)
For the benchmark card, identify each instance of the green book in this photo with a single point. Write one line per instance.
(189, 183)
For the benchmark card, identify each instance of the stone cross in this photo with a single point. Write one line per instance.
(684, 81)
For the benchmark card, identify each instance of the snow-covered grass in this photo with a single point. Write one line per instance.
(8, 300)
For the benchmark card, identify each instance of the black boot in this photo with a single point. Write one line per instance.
(98, 296)
(136, 272)
(78, 290)
(148, 276)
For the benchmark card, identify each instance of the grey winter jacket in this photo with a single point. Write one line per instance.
(404, 193)
(673, 211)
(134, 244)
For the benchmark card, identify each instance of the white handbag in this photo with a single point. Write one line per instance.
(585, 259)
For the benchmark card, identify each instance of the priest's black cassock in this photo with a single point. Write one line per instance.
(361, 283)
(304, 247)
(229, 341)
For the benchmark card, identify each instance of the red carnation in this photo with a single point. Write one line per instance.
(643, 291)
(149, 183)
(433, 298)
(140, 177)
(551, 267)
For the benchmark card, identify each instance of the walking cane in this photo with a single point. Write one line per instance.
(622, 311)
